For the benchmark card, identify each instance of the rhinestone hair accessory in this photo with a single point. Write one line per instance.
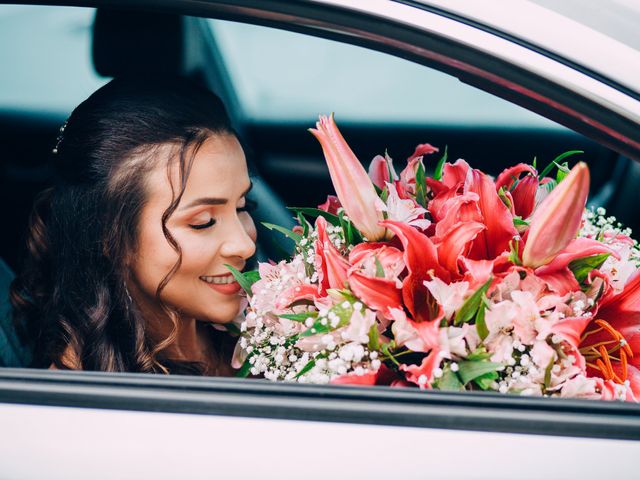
(60, 137)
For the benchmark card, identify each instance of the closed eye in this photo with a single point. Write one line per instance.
(201, 226)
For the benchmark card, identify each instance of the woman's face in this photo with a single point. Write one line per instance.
(210, 226)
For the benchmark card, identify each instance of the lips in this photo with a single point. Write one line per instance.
(225, 284)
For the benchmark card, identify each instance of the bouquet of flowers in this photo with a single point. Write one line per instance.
(453, 281)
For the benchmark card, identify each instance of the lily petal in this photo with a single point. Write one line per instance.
(557, 219)
(351, 181)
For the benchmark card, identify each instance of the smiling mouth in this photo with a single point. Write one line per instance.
(219, 279)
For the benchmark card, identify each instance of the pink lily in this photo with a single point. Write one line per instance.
(330, 264)
(353, 186)
(557, 274)
(381, 171)
(557, 219)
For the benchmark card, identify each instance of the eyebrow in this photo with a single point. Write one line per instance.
(213, 200)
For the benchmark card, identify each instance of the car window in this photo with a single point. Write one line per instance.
(45, 53)
(280, 75)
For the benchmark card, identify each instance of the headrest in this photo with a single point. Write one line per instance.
(126, 42)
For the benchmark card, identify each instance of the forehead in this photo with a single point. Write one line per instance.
(219, 169)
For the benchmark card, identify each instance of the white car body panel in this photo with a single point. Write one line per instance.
(66, 443)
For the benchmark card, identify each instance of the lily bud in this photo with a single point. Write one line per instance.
(557, 219)
(351, 181)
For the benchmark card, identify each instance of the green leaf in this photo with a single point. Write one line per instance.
(386, 350)
(470, 306)
(246, 280)
(563, 171)
(310, 364)
(547, 373)
(485, 381)
(421, 185)
(479, 353)
(504, 198)
(481, 326)
(245, 369)
(437, 175)
(347, 231)
(471, 370)
(449, 381)
(322, 324)
(299, 317)
(374, 339)
(556, 160)
(303, 222)
(296, 237)
(384, 194)
(519, 222)
(534, 163)
(316, 212)
(514, 256)
(581, 267)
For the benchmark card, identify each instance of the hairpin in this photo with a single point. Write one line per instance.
(60, 137)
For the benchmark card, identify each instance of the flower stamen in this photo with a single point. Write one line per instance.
(603, 352)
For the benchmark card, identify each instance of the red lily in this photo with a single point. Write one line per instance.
(523, 194)
(610, 343)
(421, 258)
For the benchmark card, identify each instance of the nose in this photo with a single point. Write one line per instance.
(240, 239)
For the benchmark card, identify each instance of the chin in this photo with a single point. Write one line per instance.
(222, 315)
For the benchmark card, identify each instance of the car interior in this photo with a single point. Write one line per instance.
(286, 162)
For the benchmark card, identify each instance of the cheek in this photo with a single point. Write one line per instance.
(154, 257)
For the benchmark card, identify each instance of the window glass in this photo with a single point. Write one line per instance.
(280, 75)
(45, 53)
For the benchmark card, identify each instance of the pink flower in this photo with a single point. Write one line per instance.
(422, 375)
(378, 292)
(449, 296)
(331, 205)
(331, 266)
(557, 274)
(556, 221)
(421, 258)
(353, 186)
(382, 376)
(403, 210)
(381, 171)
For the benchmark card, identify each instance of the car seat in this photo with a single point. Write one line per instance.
(13, 353)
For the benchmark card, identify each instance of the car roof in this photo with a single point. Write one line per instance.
(584, 33)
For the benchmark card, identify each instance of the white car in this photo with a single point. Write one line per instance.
(498, 82)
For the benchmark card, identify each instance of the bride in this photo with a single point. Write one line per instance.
(126, 253)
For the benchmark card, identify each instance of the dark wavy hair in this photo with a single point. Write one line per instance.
(71, 291)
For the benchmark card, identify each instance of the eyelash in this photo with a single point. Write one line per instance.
(249, 206)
